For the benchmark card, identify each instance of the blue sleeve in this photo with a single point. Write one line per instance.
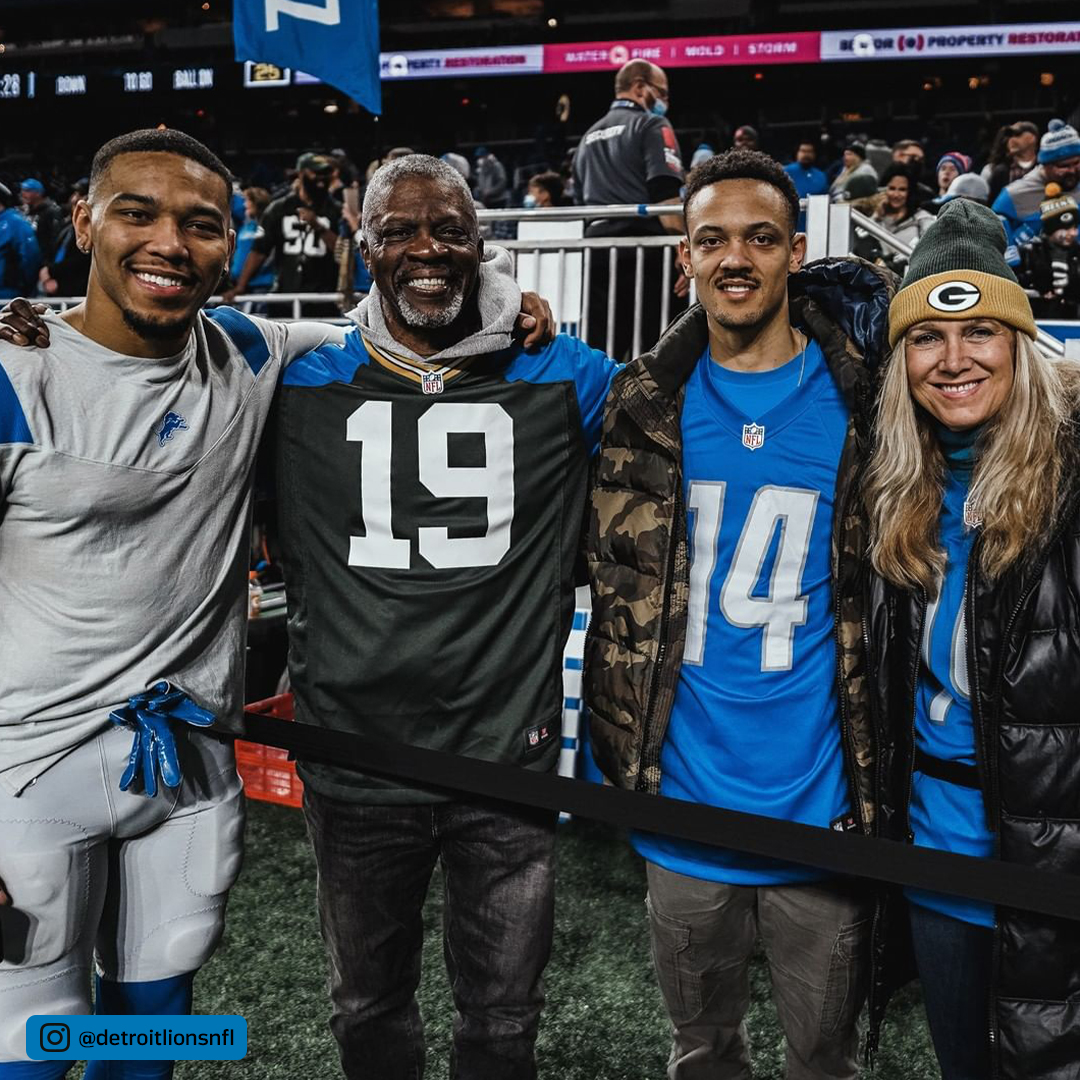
(569, 359)
(244, 333)
(328, 363)
(13, 425)
(595, 372)
(1006, 210)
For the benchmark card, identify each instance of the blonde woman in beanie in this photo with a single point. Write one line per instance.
(972, 495)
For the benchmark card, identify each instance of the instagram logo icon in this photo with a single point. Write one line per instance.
(55, 1038)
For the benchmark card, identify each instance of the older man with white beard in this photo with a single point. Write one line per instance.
(432, 475)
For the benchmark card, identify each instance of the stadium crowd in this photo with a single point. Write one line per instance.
(298, 232)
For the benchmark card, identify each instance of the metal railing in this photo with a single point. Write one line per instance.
(561, 268)
(583, 213)
(572, 264)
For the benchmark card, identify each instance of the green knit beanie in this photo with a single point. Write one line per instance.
(958, 271)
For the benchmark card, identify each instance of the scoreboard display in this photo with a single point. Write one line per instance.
(17, 84)
(36, 83)
(258, 75)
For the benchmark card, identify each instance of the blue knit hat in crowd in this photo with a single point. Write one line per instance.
(961, 162)
(1060, 141)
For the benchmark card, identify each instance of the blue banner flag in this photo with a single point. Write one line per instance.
(336, 40)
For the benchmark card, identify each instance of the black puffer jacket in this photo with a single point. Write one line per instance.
(1024, 663)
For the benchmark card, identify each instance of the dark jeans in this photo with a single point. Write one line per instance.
(375, 864)
(955, 962)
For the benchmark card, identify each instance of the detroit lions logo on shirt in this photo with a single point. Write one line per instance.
(170, 424)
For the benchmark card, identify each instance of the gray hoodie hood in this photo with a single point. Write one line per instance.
(499, 301)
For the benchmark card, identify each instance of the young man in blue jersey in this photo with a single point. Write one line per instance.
(433, 476)
(723, 560)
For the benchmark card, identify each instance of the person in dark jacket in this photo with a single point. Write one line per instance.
(43, 214)
(630, 155)
(1050, 264)
(972, 501)
(724, 570)
(69, 271)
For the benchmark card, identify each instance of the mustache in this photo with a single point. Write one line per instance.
(741, 279)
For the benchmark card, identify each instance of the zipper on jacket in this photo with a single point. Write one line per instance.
(846, 740)
(650, 754)
(993, 800)
(914, 712)
(991, 1017)
(845, 725)
(984, 756)
(987, 776)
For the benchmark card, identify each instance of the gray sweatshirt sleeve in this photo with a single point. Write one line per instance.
(290, 340)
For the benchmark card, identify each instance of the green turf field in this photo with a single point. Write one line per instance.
(603, 1020)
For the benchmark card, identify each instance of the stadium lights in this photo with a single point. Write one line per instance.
(330, 107)
(553, 22)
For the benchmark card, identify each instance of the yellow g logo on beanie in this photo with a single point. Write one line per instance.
(952, 297)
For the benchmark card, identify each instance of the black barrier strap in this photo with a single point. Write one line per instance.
(988, 880)
(952, 772)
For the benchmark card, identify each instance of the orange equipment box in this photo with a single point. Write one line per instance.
(267, 772)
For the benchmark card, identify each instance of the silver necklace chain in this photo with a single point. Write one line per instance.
(802, 365)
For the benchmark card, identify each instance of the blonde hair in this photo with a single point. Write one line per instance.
(1016, 486)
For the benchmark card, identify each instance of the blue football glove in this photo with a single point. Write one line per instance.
(153, 750)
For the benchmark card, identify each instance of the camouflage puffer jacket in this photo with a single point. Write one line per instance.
(637, 532)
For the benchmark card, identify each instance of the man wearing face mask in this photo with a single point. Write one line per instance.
(299, 230)
(630, 155)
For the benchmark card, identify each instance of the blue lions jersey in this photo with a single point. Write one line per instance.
(943, 815)
(755, 724)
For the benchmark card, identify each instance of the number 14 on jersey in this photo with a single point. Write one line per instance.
(792, 511)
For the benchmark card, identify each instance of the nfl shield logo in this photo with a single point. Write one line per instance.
(972, 517)
(432, 382)
(753, 436)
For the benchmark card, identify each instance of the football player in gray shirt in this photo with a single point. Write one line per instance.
(126, 457)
